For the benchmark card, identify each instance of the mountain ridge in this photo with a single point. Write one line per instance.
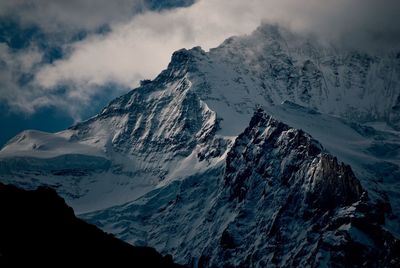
(275, 178)
(38, 228)
(179, 130)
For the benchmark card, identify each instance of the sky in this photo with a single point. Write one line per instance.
(62, 61)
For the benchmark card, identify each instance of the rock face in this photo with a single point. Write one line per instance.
(280, 200)
(277, 179)
(272, 149)
(155, 121)
(37, 228)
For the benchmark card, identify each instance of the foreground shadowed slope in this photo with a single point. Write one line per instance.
(38, 228)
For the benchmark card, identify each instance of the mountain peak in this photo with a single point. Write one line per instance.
(279, 151)
(182, 62)
(248, 212)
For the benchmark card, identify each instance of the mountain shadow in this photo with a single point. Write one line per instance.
(37, 228)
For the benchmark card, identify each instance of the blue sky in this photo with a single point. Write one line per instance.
(62, 61)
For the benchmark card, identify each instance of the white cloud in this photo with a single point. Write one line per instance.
(140, 47)
(13, 65)
(27, 98)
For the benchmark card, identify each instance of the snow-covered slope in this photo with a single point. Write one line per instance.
(280, 200)
(273, 65)
(143, 138)
(161, 156)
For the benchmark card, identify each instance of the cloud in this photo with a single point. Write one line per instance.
(21, 95)
(360, 24)
(13, 67)
(53, 15)
(140, 47)
(71, 15)
(56, 25)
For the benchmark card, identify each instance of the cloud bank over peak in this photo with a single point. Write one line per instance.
(142, 48)
(139, 47)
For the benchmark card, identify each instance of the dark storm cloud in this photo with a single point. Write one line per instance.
(61, 15)
(372, 24)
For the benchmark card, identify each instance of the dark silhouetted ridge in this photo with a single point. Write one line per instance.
(37, 228)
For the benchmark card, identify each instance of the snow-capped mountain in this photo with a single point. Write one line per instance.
(280, 200)
(184, 165)
(273, 65)
(140, 140)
